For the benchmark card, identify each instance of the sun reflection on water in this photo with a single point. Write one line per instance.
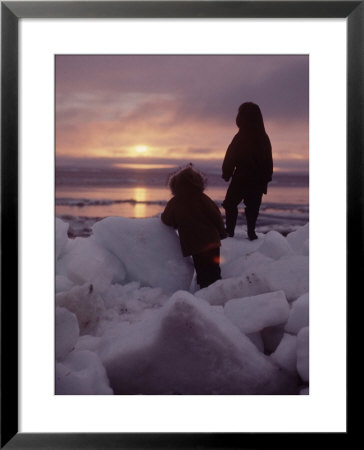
(140, 195)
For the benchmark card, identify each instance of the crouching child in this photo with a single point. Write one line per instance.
(198, 221)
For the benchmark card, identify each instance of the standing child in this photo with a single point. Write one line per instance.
(249, 164)
(198, 222)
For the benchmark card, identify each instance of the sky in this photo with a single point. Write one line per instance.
(164, 110)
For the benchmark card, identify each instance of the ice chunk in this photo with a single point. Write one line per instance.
(303, 353)
(257, 340)
(189, 347)
(128, 303)
(85, 303)
(67, 332)
(61, 236)
(252, 314)
(85, 261)
(63, 283)
(234, 248)
(289, 274)
(132, 298)
(299, 315)
(82, 373)
(247, 263)
(149, 250)
(239, 255)
(286, 353)
(299, 239)
(306, 247)
(272, 337)
(88, 342)
(223, 290)
(275, 245)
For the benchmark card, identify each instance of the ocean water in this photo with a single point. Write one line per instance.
(84, 196)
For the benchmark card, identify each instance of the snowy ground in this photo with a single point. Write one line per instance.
(131, 320)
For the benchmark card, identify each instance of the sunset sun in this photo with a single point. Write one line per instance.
(141, 149)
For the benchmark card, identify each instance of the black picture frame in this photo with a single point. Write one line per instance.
(11, 12)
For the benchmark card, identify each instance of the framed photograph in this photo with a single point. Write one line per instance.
(119, 118)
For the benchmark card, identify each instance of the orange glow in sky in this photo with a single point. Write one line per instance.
(167, 110)
(143, 166)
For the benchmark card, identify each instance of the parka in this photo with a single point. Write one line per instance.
(248, 160)
(196, 217)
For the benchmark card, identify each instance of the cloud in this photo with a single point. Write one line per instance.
(177, 105)
(204, 85)
(199, 151)
(281, 92)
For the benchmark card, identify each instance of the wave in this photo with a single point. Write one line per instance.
(80, 202)
(84, 202)
(102, 177)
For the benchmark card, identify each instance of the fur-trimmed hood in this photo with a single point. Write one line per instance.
(187, 180)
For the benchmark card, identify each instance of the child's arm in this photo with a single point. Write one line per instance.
(269, 160)
(229, 162)
(167, 216)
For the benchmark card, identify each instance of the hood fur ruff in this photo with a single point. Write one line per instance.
(187, 180)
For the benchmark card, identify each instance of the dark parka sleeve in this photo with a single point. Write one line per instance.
(229, 162)
(257, 165)
(268, 160)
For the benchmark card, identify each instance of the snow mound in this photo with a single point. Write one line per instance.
(189, 347)
(299, 315)
(82, 373)
(252, 314)
(85, 303)
(303, 353)
(85, 261)
(149, 250)
(67, 332)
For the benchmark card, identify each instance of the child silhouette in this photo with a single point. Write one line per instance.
(198, 222)
(248, 161)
